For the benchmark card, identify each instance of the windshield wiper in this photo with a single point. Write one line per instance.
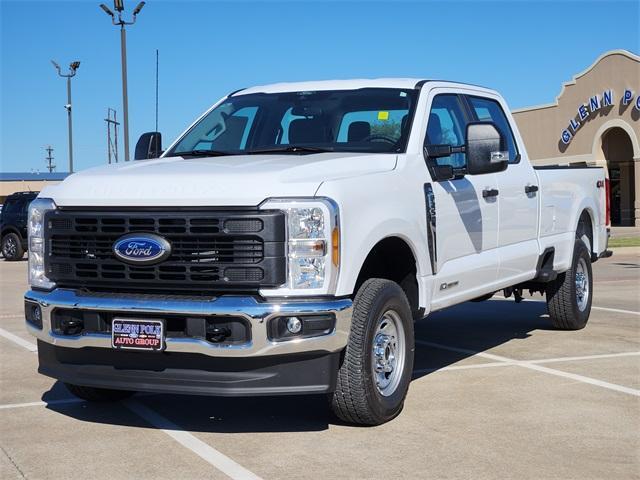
(203, 153)
(289, 149)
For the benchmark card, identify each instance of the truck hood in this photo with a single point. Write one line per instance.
(219, 181)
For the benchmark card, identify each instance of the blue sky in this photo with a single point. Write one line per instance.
(525, 49)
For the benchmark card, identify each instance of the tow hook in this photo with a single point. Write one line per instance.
(71, 326)
(218, 334)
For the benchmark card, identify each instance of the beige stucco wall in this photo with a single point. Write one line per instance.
(9, 187)
(541, 127)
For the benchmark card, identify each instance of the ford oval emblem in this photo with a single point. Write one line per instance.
(141, 248)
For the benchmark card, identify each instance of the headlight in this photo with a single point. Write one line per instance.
(37, 210)
(313, 246)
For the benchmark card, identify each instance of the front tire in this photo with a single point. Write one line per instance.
(569, 295)
(378, 362)
(93, 394)
(12, 247)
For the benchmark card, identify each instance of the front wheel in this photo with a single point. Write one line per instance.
(12, 247)
(569, 295)
(378, 362)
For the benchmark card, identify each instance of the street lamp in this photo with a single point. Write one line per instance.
(118, 6)
(73, 66)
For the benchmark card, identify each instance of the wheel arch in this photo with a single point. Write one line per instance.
(392, 258)
(586, 224)
(10, 229)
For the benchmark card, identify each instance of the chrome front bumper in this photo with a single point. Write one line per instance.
(257, 312)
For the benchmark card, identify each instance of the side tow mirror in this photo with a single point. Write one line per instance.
(485, 149)
(442, 173)
(149, 146)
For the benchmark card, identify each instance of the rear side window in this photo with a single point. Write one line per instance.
(12, 207)
(488, 110)
(447, 126)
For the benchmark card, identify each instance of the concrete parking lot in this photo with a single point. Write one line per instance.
(497, 394)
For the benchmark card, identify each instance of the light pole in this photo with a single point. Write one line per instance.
(118, 6)
(72, 72)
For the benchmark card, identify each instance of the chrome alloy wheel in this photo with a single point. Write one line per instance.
(10, 247)
(582, 285)
(388, 353)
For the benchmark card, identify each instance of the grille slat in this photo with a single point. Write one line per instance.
(210, 251)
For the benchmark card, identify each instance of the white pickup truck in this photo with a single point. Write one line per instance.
(286, 242)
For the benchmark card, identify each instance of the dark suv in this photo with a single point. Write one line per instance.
(13, 224)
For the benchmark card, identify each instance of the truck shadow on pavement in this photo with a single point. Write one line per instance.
(475, 327)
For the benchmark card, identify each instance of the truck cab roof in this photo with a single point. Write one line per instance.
(351, 84)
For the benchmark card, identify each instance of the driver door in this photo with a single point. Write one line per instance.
(466, 220)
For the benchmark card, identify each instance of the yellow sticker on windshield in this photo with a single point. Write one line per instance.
(383, 115)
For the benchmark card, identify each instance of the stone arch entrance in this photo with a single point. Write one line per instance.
(618, 152)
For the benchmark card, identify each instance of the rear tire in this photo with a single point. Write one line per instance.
(378, 362)
(12, 247)
(93, 394)
(569, 295)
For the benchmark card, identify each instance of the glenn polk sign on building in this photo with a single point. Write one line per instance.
(595, 119)
(593, 106)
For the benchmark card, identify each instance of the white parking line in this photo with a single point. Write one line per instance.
(533, 366)
(593, 307)
(503, 363)
(424, 371)
(62, 401)
(187, 440)
(581, 378)
(616, 310)
(19, 341)
(475, 353)
(585, 357)
(235, 471)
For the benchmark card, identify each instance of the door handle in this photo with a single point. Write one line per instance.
(490, 192)
(530, 188)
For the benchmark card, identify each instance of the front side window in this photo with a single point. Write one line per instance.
(488, 110)
(372, 120)
(447, 126)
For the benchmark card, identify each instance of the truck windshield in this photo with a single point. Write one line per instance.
(370, 120)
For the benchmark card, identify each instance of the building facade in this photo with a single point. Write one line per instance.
(595, 120)
(27, 182)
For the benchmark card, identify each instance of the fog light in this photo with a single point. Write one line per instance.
(294, 325)
(37, 314)
(33, 314)
(288, 327)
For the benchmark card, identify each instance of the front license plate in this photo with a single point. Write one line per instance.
(134, 334)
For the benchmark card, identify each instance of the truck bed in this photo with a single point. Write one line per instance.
(565, 190)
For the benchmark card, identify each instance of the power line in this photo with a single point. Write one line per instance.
(112, 140)
(49, 158)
